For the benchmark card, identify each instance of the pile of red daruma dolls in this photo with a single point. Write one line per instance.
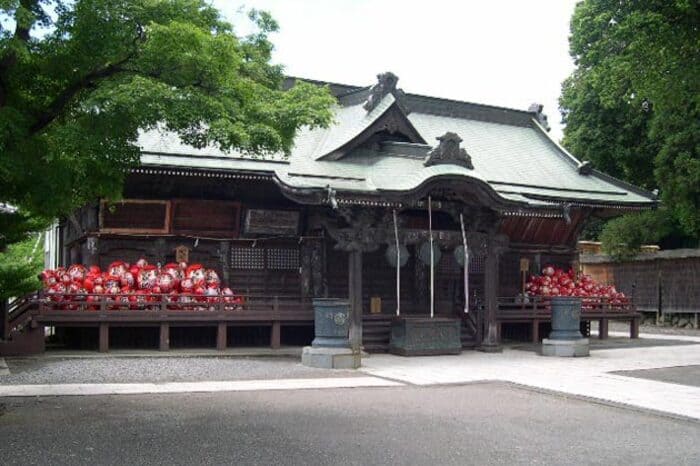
(137, 286)
(556, 282)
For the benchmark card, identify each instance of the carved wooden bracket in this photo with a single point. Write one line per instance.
(364, 230)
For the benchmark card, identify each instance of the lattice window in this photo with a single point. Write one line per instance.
(476, 264)
(248, 258)
(282, 259)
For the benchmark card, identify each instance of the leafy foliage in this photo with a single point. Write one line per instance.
(633, 104)
(20, 265)
(79, 80)
(623, 236)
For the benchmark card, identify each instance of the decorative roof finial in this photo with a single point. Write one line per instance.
(448, 151)
(539, 115)
(386, 83)
(585, 167)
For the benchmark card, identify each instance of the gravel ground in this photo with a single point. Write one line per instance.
(137, 370)
(661, 330)
(457, 425)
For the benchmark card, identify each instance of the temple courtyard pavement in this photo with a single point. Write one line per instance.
(636, 401)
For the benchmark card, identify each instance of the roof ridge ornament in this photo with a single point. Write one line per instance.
(539, 115)
(448, 151)
(386, 84)
(585, 167)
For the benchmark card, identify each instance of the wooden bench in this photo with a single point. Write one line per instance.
(536, 310)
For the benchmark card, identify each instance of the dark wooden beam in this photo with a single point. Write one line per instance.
(104, 338)
(221, 342)
(491, 340)
(275, 335)
(164, 336)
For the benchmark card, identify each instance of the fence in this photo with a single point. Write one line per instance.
(663, 282)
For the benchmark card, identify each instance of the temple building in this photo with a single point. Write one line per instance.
(359, 210)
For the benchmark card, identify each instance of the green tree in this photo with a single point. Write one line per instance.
(20, 265)
(79, 79)
(632, 106)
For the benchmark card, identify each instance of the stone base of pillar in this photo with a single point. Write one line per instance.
(490, 348)
(566, 348)
(330, 358)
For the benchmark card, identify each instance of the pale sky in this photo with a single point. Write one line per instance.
(509, 53)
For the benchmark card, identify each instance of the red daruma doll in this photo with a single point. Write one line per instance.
(211, 278)
(195, 272)
(148, 276)
(117, 268)
(165, 282)
(175, 272)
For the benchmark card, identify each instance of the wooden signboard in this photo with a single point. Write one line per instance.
(271, 222)
(134, 216)
(182, 254)
(375, 305)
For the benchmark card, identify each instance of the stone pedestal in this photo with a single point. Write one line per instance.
(423, 336)
(566, 348)
(566, 340)
(330, 348)
(331, 323)
(330, 358)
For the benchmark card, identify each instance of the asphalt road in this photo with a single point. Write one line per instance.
(473, 424)
(683, 375)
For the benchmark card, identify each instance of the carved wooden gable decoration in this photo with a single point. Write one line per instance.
(448, 151)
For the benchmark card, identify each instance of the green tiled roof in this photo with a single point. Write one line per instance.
(510, 152)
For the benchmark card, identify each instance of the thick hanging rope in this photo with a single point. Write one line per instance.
(466, 265)
(432, 265)
(398, 266)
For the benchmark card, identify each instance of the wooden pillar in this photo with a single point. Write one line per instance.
(221, 342)
(535, 331)
(355, 295)
(104, 337)
(634, 326)
(275, 335)
(164, 336)
(225, 258)
(491, 341)
(603, 329)
(4, 325)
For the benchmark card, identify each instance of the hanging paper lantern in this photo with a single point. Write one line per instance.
(390, 255)
(459, 255)
(424, 253)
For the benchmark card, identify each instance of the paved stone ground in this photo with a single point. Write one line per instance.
(144, 369)
(473, 424)
(685, 375)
